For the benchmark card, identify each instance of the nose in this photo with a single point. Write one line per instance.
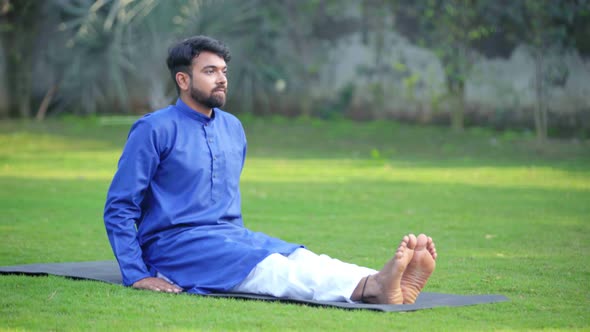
(221, 78)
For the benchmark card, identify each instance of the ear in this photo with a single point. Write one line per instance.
(183, 80)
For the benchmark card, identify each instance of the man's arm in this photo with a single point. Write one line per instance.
(137, 166)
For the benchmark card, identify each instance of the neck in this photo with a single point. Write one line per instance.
(190, 102)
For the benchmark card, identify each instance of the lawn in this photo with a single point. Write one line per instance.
(508, 217)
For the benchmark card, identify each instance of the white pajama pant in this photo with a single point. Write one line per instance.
(304, 275)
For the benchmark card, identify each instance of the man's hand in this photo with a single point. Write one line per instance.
(157, 284)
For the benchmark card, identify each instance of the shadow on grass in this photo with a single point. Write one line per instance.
(66, 215)
(380, 141)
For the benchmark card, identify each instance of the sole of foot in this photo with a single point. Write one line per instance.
(419, 269)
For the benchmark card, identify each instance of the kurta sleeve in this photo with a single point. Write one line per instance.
(138, 163)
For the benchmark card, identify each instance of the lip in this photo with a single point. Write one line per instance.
(220, 90)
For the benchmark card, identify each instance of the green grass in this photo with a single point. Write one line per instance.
(509, 217)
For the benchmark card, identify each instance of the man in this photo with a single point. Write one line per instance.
(173, 211)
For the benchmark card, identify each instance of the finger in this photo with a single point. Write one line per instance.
(171, 287)
(168, 288)
(174, 289)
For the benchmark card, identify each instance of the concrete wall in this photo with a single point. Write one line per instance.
(413, 77)
(408, 74)
(509, 83)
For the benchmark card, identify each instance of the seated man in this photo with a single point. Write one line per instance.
(173, 210)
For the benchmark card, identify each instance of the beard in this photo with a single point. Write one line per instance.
(209, 100)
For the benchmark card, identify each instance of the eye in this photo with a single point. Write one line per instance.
(209, 71)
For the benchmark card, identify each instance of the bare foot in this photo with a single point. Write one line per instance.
(384, 287)
(419, 270)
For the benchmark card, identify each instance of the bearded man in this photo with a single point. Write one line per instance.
(173, 210)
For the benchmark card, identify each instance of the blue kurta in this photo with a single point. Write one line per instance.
(174, 204)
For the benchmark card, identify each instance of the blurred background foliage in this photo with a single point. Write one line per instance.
(291, 58)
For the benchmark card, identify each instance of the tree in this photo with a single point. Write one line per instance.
(85, 47)
(110, 55)
(546, 26)
(300, 33)
(18, 35)
(95, 49)
(450, 28)
(250, 28)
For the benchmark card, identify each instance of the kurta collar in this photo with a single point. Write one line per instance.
(184, 108)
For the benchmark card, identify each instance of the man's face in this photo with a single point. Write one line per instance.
(208, 84)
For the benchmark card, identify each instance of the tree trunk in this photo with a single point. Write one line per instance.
(45, 103)
(301, 42)
(458, 112)
(23, 87)
(540, 113)
(18, 76)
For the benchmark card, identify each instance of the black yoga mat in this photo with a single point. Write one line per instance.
(108, 271)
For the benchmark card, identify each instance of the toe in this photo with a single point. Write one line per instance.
(412, 241)
(421, 242)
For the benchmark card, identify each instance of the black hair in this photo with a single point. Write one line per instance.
(181, 55)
